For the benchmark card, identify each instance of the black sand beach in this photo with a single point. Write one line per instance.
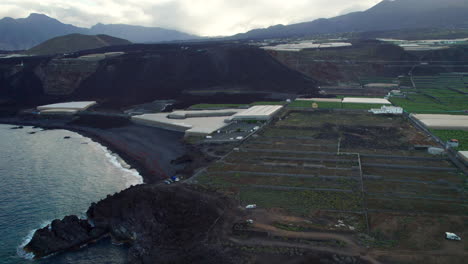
(151, 151)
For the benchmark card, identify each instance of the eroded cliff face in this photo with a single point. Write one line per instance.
(150, 72)
(64, 76)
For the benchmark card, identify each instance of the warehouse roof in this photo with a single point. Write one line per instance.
(59, 111)
(79, 106)
(331, 100)
(263, 112)
(464, 155)
(192, 125)
(180, 114)
(444, 121)
(205, 122)
(365, 100)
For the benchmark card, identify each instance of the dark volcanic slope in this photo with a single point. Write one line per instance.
(149, 72)
(75, 42)
(162, 225)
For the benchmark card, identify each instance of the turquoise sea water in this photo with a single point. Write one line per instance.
(43, 177)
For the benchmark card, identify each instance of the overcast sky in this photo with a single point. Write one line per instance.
(202, 17)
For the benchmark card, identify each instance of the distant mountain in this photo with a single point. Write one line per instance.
(75, 42)
(25, 33)
(140, 34)
(387, 15)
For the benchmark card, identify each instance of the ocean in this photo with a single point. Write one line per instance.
(43, 177)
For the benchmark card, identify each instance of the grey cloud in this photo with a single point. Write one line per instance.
(203, 17)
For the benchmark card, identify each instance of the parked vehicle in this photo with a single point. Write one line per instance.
(175, 179)
(452, 236)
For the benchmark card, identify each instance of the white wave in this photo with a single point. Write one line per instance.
(132, 175)
(20, 250)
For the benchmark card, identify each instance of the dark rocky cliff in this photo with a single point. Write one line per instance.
(162, 224)
(149, 72)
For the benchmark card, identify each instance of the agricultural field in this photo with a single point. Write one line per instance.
(446, 135)
(327, 167)
(422, 104)
(439, 94)
(321, 105)
(334, 105)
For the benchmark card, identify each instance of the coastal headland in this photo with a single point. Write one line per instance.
(181, 223)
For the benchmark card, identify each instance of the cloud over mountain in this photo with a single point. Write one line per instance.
(201, 17)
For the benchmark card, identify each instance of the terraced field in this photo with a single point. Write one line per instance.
(438, 94)
(353, 163)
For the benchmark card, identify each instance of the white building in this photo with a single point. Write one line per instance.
(205, 122)
(450, 122)
(356, 100)
(259, 112)
(387, 110)
(464, 156)
(68, 108)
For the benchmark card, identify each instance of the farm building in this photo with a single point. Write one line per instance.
(259, 112)
(381, 85)
(202, 113)
(450, 122)
(197, 126)
(453, 143)
(68, 108)
(328, 100)
(200, 123)
(355, 100)
(205, 122)
(464, 156)
(387, 110)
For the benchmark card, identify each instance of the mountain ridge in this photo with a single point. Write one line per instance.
(25, 33)
(386, 15)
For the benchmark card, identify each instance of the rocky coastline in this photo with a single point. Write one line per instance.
(162, 224)
(159, 223)
(169, 220)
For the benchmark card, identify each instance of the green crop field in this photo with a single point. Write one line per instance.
(321, 105)
(361, 106)
(438, 94)
(334, 105)
(217, 106)
(428, 107)
(461, 135)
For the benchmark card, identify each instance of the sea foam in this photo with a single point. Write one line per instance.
(132, 176)
(20, 250)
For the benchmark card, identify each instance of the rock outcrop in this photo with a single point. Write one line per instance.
(163, 224)
(60, 235)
